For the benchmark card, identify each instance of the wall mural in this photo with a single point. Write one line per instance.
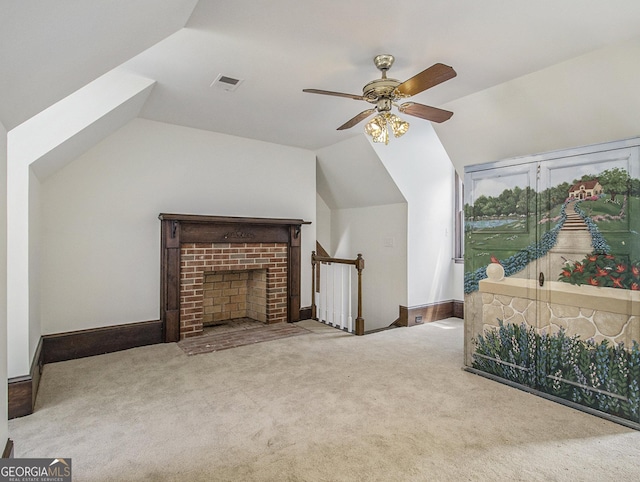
(552, 275)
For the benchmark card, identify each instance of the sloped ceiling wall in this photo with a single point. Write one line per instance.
(49, 51)
(587, 100)
(349, 174)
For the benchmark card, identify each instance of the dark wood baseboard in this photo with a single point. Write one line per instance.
(98, 341)
(8, 450)
(305, 313)
(417, 315)
(22, 391)
(458, 309)
(20, 396)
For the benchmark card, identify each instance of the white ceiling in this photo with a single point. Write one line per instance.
(278, 47)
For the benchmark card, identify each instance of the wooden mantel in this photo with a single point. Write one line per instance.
(190, 228)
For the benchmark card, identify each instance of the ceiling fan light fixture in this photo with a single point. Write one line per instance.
(398, 126)
(377, 127)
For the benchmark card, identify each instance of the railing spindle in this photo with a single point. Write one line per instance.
(349, 317)
(313, 285)
(342, 297)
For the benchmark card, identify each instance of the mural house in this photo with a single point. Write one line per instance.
(585, 189)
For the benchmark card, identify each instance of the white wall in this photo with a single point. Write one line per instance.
(100, 264)
(457, 282)
(17, 213)
(323, 224)
(350, 175)
(424, 174)
(4, 431)
(35, 242)
(42, 145)
(379, 233)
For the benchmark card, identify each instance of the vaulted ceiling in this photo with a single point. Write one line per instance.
(48, 50)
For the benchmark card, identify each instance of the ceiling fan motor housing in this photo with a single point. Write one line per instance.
(382, 91)
(380, 88)
(384, 105)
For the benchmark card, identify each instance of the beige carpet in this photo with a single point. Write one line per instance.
(326, 406)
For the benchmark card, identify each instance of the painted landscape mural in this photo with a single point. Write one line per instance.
(552, 276)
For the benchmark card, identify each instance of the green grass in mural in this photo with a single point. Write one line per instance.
(622, 235)
(620, 242)
(504, 240)
(601, 207)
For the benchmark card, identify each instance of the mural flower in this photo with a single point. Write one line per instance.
(598, 269)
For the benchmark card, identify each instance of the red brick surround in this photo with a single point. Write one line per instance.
(198, 258)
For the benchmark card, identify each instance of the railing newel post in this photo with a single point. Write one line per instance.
(313, 286)
(359, 320)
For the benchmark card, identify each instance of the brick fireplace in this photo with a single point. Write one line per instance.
(223, 281)
(215, 268)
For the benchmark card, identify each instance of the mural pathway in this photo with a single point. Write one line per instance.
(574, 221)
(573, 243)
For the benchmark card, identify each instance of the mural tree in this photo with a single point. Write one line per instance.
(554, 196)
(510, 202)
(614, 181)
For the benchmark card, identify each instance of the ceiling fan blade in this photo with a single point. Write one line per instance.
(360, 117)
(338, 94)
(434, 75)
(432, 114)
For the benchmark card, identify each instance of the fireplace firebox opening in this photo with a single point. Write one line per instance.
(228, 295)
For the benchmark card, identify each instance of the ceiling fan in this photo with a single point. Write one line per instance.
(386, 92)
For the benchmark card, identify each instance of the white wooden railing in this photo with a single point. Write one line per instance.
(331, 297)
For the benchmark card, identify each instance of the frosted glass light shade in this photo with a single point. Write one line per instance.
(377, 127)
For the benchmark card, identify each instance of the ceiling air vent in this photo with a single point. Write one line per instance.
(225, 82)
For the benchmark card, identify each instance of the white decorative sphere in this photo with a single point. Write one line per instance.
(495, 272)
